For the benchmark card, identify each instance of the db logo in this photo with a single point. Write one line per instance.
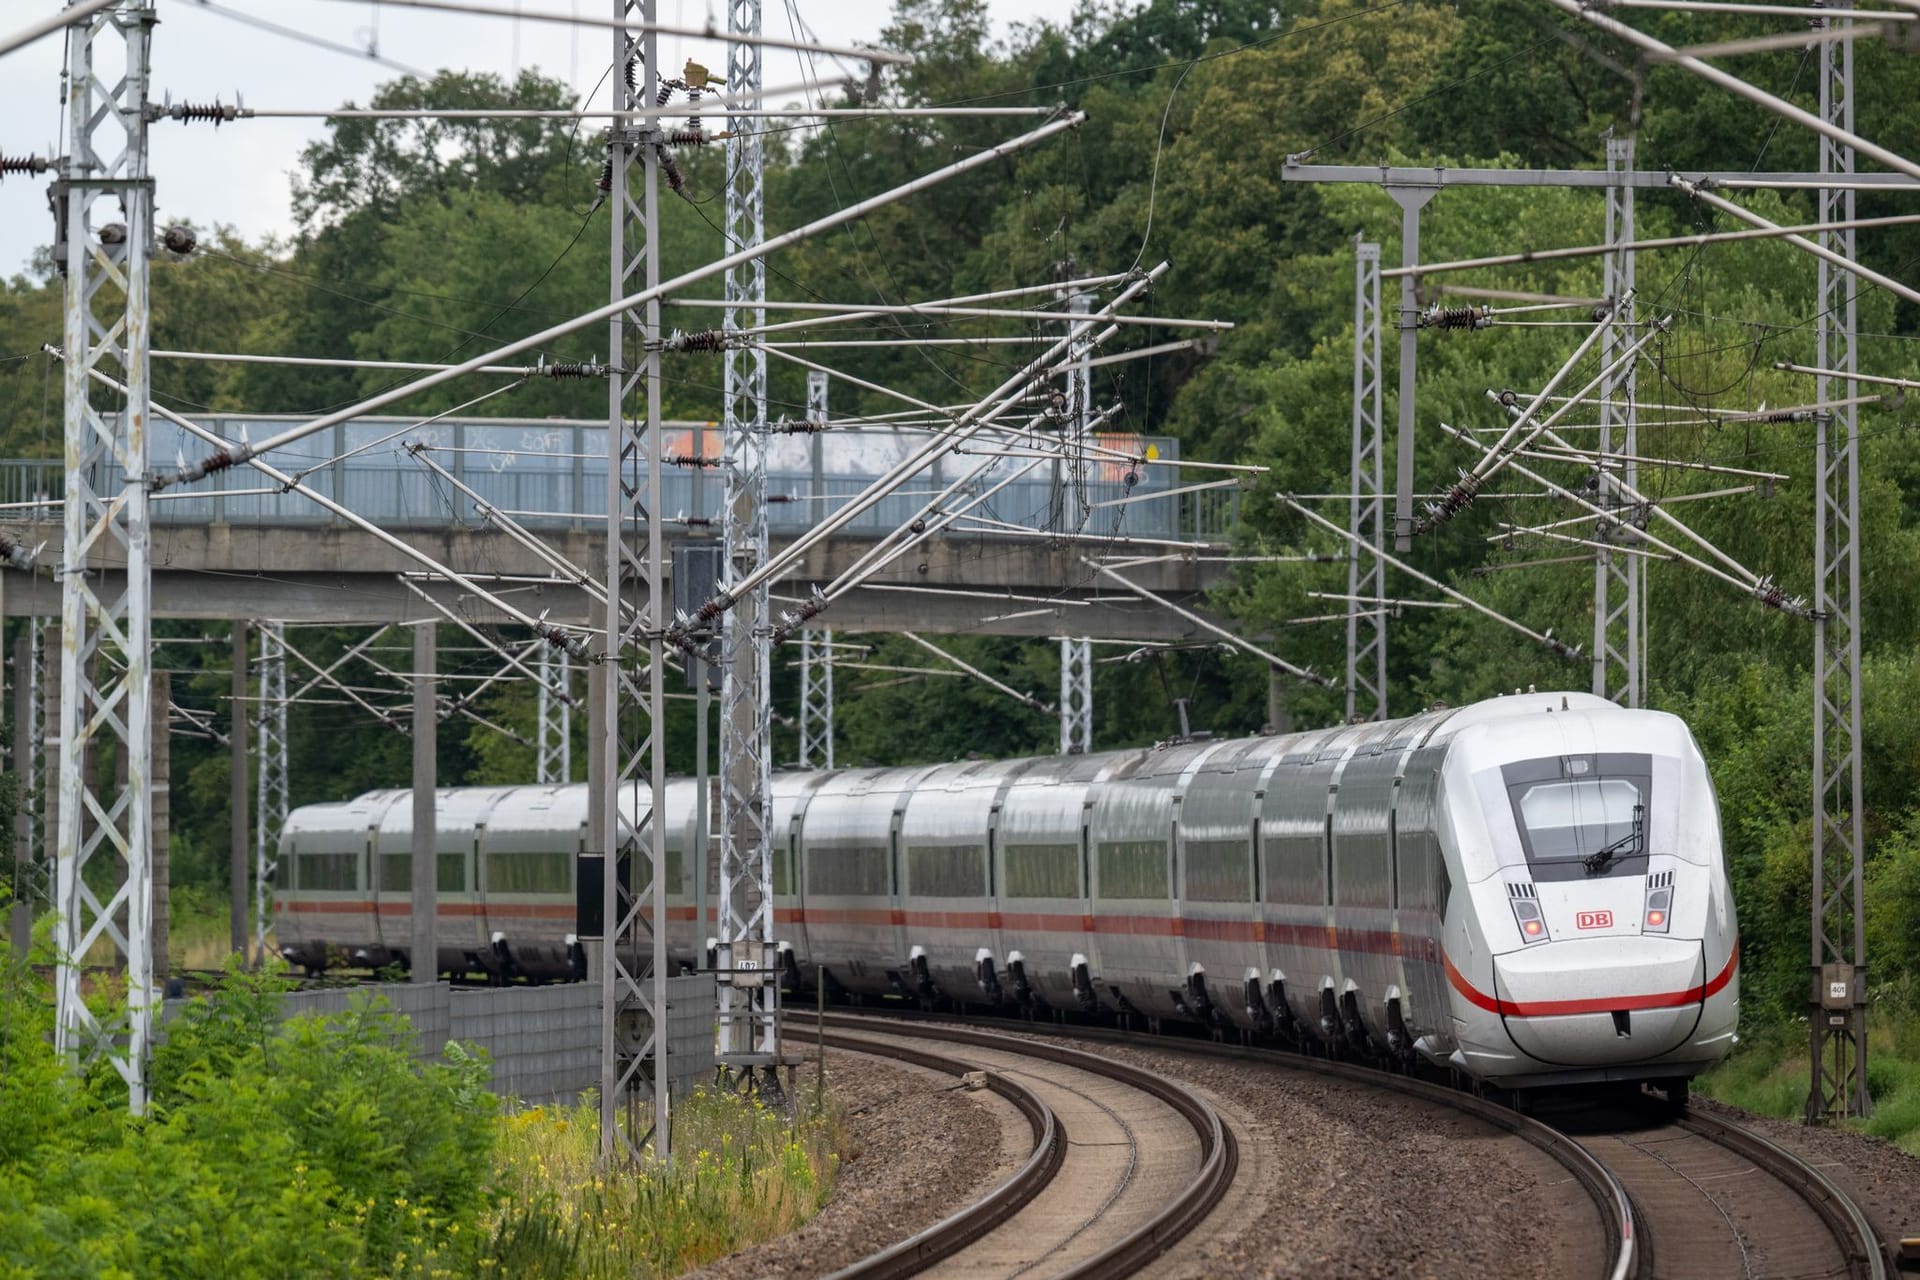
(1594, 920)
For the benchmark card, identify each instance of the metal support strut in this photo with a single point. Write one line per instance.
(816, 699)
(816, 647)
(749, 1002)
(553, 731)
(631, 787)
(271, 787)
(1366, 519)
(1839, 964)
(106, 678)
(1076, 695)
(1617, 582)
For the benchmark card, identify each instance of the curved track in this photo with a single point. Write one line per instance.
(1616, 1222)
(1714, 1199)
(1145, 1161)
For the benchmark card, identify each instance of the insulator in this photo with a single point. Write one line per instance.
(688, 137)
(585, 369)
(606, 175)
(693, 107)
(1457, 499)
(188, 112)
(675, 182)
(180, 240)
(633, 76)
(666, 92)
(1454, 318)
(699, 340)
(22, 164)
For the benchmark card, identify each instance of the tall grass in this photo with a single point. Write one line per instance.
(741, 1173)
(1768, 1072)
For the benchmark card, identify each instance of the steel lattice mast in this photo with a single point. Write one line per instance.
(816, 647)
(1366, 518)
(1070, 498)
(633, 951)
(1076, 695)
(271, 784)
(749, 1005)
(106, 678)
(1617, 590)
(1839, 1015)
(553, 728)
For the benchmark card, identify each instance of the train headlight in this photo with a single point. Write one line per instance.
(1526, 914)
(1658, 916)
(1659, 904)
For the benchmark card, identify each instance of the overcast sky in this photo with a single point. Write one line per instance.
(238, 174)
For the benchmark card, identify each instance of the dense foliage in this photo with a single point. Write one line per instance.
(430, 241)
(317, 1147)
(321, 1147)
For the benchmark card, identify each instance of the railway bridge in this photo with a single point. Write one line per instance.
(237, 546)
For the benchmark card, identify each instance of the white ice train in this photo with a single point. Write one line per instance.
(1529, 890)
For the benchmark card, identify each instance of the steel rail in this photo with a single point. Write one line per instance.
(1624, 1257)
(1220, 1153)
(951, 1234)
(1866, 1259)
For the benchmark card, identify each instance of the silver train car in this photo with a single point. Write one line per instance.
(1529, 890)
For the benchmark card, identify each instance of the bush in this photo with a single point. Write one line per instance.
(314, 1147)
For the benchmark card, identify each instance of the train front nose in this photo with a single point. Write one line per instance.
(1601, 1001)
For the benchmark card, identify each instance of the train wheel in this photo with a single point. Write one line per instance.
(1673, 1092)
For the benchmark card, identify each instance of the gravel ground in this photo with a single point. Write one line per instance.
(1343, 1181)
(1882, 1179)
(917, 1149)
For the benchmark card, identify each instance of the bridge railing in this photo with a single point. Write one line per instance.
(551, 475)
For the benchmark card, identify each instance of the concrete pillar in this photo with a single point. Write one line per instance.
(161, 761)
(23, 747)
(424, 949)
(240, 846)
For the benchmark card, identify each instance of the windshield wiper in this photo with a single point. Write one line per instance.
(1599, 860)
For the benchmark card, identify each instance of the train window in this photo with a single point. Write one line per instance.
(529, 873)
(329, 872)
(1043, 871)
(676, 870)
(1581, 816)
(852, 870)
(783, 869)
(396, 873)
(946, 871)
(1217, 870)
(1133, 869)
(283, 870)
(452, 873)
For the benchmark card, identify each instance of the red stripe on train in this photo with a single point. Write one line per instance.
(1601, 1004)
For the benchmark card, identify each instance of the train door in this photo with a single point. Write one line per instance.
(1363, 887)
(1420, 891)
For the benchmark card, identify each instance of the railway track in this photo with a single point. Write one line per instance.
(1615, 1223)
(1713, 1199)
(1124, 1163)
(1699, 1196)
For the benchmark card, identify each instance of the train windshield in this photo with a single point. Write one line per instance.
(1582, 816)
